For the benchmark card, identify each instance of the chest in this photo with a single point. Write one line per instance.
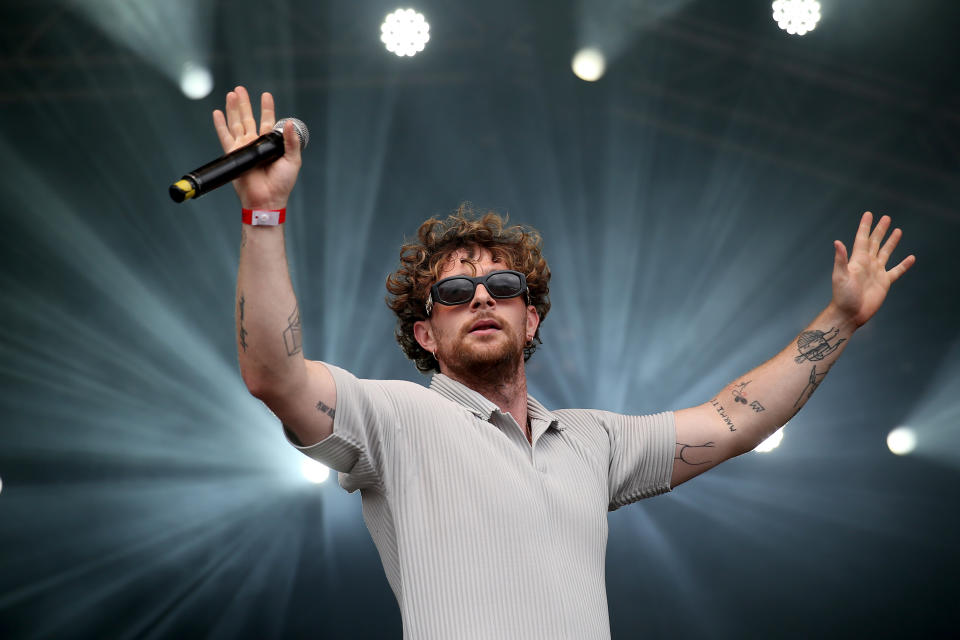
(464, 472)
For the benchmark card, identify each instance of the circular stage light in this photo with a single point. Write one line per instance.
(589, 64)
(405, 32)
(902, 440)
(196, 81)
(796, 16)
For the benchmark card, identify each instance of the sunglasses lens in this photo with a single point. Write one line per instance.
(504, 285)
(456, 290)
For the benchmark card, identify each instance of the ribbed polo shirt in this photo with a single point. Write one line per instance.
(482, 533)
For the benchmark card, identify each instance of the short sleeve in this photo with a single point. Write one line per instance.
(641, 456)
(361, 431)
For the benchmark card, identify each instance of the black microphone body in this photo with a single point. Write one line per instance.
(264, 149)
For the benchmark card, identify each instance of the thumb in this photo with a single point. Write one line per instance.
(839, 256)
(291, 142)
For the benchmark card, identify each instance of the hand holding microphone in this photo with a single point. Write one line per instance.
(263, 167)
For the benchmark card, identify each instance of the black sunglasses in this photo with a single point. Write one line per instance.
(460, 289)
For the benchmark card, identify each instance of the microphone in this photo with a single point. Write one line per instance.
(264, 149)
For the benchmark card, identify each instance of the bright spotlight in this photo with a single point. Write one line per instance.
(902, 440)
(196, 81)
(314, 471)
(405, 32)
(589, 64)
(771, 442)
(796, 16)
(1, 485)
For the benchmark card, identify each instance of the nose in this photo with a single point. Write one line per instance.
(482, 297)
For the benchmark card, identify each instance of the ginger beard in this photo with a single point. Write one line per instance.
(487, 357)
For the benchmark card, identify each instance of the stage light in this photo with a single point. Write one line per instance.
(771, 442)
(1, 485)
(589, 64)
(314, 471)
(902, 440)
(196, 82)
(405, 32)
(796, 16)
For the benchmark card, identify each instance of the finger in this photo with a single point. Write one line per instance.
(839, 256)
(223, 132)
(877, 235)
(901, 268)
(233, 115)
(291, 143)
(884, 254)
(246, 111)
(268, 116)
(863, 233)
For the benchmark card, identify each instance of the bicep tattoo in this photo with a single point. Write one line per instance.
(322, 407)
(694, 454)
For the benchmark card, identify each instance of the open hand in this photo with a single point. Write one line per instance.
(861, 282)
(267, 186)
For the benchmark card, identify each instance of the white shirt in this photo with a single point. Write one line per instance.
(483, 534)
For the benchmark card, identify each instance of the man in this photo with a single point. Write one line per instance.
(488, 509)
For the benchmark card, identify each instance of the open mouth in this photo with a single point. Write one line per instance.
(484, 326)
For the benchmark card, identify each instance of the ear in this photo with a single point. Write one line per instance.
(423, 332)
(533, 321)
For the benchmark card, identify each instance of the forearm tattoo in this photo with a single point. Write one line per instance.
(291, 335)
(723, 414)
(694, 454)
(323, 408)
(812, 384)
(816, 345)
(242, 333)
(243, 236)
(740, 396)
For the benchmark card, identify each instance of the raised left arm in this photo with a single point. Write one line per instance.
(755, 405)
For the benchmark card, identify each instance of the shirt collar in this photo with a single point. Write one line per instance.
(480, 406)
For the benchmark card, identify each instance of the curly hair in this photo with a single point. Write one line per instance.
(422, 261)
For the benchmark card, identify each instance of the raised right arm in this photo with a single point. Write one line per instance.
(300, 392)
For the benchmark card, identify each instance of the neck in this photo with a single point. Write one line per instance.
(506, 389)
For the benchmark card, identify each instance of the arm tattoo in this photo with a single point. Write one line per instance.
(812, 384)
(723, 414)
(243, 331)
(323, 408)
(693, 454)
(291, 335)
(815, 345)
(243, 236)
(739, 396)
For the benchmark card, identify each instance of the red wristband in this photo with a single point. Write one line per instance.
(264, 217)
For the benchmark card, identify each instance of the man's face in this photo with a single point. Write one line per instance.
(484, 333)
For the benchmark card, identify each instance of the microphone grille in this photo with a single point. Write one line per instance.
(302, 132)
